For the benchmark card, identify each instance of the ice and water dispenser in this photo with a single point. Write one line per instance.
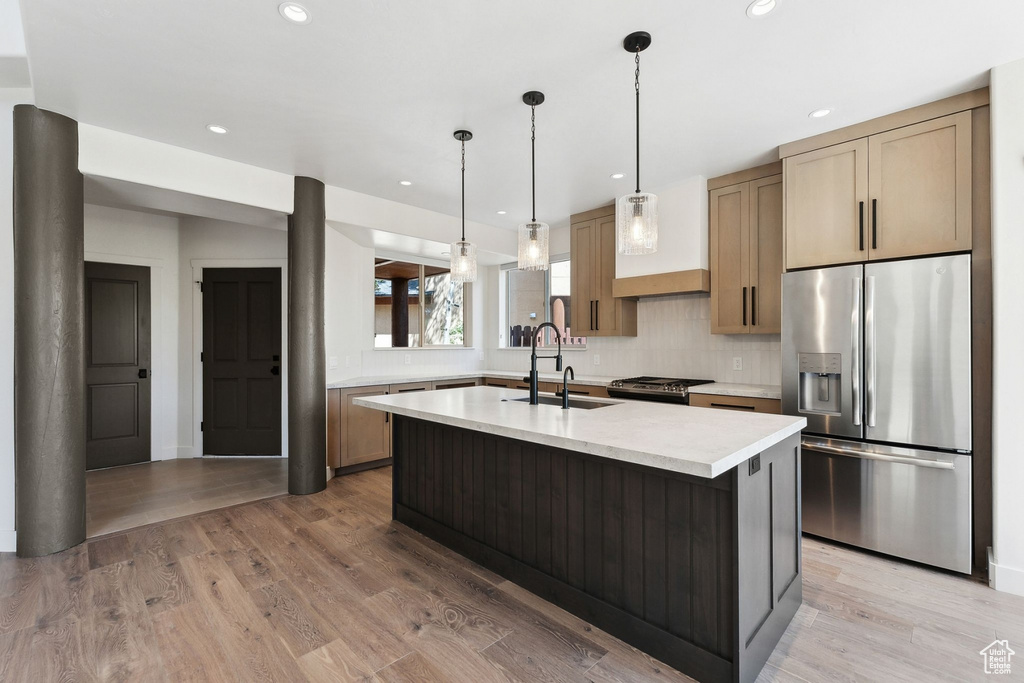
(820, 383)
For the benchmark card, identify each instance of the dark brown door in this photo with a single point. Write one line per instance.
(117, 365)
(242, 361)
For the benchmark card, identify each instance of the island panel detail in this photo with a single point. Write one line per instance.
(703, 574)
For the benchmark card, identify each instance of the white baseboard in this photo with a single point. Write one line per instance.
(8, 540)
(187, 452)
(1004, 578)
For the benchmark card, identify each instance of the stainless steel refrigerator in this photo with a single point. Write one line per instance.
(877, 357)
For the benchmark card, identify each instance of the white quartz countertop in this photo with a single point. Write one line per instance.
(591, 380)
(744, 390)
(704, 442)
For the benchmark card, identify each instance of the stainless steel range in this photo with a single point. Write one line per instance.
(663, 389)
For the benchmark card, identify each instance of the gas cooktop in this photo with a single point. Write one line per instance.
(655, 388)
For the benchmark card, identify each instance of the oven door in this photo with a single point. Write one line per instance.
(904, 502)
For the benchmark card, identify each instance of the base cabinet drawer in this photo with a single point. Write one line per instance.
(456, 384)
(739, 403)
(494, 382)
(585, 390)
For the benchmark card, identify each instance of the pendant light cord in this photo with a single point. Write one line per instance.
(637, 83)
(533, 160)
(463, 190)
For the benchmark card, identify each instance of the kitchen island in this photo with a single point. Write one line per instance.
(676, 529)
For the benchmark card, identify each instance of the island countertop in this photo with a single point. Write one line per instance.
(703, 442)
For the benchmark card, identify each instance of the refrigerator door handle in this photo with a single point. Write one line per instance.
(869, 343)
(858, 407)
(865, 454)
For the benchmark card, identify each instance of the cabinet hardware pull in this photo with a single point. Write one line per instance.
(591, 314)
(744, 306)
(753, 306)
(597, 310)
(874, 224)
(862, 226)
(730, 405)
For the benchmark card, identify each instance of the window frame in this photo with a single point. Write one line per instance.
(505, 297)
(467, 307)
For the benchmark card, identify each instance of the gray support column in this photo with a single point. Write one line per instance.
(307, 374)
(49, 360)
(400, 311)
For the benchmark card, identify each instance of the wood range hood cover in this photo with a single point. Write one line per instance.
(662, 284)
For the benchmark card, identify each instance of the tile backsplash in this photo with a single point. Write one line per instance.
(421, 361)
(674, 340)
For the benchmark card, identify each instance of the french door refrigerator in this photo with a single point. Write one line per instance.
(877, 357)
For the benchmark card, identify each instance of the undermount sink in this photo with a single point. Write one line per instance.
(557, 401)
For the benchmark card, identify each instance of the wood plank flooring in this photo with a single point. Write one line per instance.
(327, 588)
(123, 498)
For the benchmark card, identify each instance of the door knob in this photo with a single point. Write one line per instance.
(143, 373)
(275, 370)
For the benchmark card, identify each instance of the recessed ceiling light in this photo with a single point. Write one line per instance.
(819, 113)
(407, 183)
(616, 176)
(759, 8)
(214, 128)
(502, 213)
(294, 12)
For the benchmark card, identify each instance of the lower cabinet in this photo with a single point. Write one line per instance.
(356, 435)
(741, 403)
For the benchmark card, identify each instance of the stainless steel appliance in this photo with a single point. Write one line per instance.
(662, 389)
(877, 357)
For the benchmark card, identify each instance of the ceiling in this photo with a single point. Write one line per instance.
(369, 92)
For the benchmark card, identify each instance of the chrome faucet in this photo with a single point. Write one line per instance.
(534, 397)
(569, 372)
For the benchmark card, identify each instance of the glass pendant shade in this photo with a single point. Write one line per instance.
(636, 218)
(533, 246)
(463, 261)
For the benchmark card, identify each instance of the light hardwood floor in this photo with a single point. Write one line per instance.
(122, 498)
(326, 587)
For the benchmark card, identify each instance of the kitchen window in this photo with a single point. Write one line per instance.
(536, 296)
(417, 305)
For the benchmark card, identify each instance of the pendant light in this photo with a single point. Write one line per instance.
(533, 236)
(463, 253)
(636, 215)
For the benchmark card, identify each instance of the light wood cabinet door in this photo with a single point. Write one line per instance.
(365, 433)
(766, 255)
(826, 205)
(730, 258)
(596, 312)
(607, 322)
(583, 257)
(920, 188)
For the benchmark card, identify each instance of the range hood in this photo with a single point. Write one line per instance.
(662, 284)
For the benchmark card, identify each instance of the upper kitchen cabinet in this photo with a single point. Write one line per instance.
(746, 254)
(596, 312)
(900, 192)
(826, 201)
(919, 179)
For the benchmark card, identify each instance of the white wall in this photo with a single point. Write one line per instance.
(8, 98)
(145, 239)
(682, 232)
(1007, 84)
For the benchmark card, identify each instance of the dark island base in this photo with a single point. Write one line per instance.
(703, 574)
